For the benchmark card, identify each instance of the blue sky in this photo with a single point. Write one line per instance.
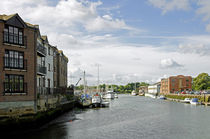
(131, 40)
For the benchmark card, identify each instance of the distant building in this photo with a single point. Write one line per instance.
(154, 88)
(62, 69)
(143, 89)
(175, 84)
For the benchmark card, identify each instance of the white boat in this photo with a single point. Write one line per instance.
(194, 101)
(149, 95)
(96, 100)
(104, 104)
(162, 97)
(115, 95)
(186, 100)
(133, 93)
(109, 95)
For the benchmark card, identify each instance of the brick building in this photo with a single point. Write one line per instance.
(176, 84)
(30, 68)
(17, 64)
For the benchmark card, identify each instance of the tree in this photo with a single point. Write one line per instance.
(201, 82)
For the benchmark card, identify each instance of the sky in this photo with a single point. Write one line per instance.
(130, 40)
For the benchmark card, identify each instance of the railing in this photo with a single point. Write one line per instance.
(41, 90)
(15, 39)
(41, 69)
(41, 49)
(15, 87)
(15, 63)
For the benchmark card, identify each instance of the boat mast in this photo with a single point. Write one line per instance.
(84, 83)
(98, 79)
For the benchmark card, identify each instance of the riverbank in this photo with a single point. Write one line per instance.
(204, 99)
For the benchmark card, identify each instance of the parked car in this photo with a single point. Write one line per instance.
(183, 92)
(197, 93)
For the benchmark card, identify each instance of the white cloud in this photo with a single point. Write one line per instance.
(200, 49)
(205, 11)
(169, 63)
(170, 5)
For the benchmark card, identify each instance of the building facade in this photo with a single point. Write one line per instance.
(62, 71)
(175, 84)
(154, 88)
(17, 65)
(30, 68)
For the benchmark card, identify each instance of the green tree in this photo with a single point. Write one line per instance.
(201, 82)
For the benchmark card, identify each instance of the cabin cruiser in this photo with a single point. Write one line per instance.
(133, 93)
(186, 100)
(109, 95)
(96, 100)
(194, 101)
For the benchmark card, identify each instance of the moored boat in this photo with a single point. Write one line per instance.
(194, 101)
(133, 93)
(109, 95)
(96, 100)
(186, 100)
(115, 95)
(104, 104)
(162, 97)
(85, 100)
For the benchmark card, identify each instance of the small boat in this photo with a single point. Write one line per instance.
(96, 100)
(133, 93)
(150, 95)
(194, 101)
(162, 97)
(85, 100)
(186, 100)
(104, 104)
(115, 95)
(109, 95)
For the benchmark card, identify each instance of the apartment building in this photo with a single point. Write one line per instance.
(17, 64)
(49, 81)
(62, 69)
(30, 68)
(175, 84)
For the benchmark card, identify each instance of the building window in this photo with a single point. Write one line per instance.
(14, 84)
(187, 80)
(48, 50)
(48, 66)
(13, 59)
(13, 35)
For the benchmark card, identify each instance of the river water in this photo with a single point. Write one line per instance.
(130, 117)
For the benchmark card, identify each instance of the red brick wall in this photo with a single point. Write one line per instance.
(29, 75)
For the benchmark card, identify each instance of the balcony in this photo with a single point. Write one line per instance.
(14, 88)
(14, 63)
(41, 70)
(41, 50)
(14, 39)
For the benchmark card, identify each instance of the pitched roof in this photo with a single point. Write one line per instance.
(6, 17)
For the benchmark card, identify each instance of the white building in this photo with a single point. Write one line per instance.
(49, 64)
(154, 89)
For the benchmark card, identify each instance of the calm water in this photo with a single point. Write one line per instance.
(130, 117)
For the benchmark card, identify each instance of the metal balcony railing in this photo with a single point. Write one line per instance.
(41, 69)
(42, 51)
